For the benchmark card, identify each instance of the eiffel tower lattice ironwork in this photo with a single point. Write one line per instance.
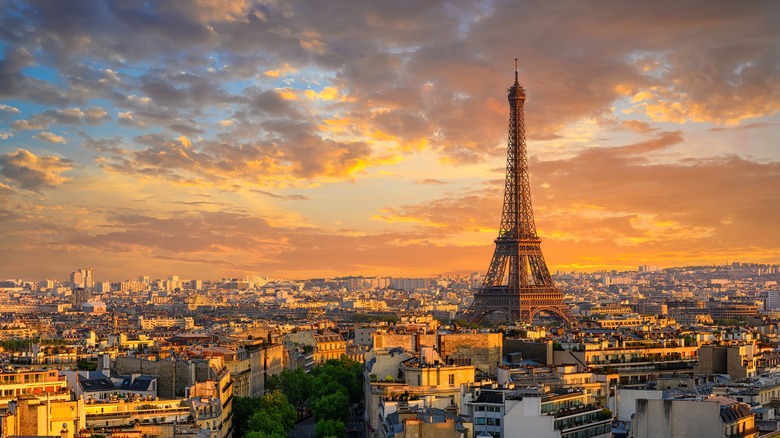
(518, 283)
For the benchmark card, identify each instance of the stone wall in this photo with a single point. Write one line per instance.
(173, 377)
(538, 351)
(484, 350)
(162, 369)
(734, 364)
(407, 341)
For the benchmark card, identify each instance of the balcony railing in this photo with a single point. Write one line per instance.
(575, 411)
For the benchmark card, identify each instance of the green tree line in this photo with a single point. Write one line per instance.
(328, 391)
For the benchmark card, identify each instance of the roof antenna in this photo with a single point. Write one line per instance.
(516, 71)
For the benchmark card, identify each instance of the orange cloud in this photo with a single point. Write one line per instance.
(327, 93)
(34, 172)
(285, 70)
(50, 137)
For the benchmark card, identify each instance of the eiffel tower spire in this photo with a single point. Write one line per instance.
(518, 283)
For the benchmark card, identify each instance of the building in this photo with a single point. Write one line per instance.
(535, 412)
(174, 376)
(42, 384)
(328, 345)
(429, 370)
(81, 296)
(392, 376)
(759, 392)
(82, 278)
(94, 307)
(211, 402)
(482, 350)
(265, 360)
(422, 422)
(34, 417)
(693, 418)
(772, 300)
(725, 310)
(625, 355)
(364, 336)
(738, 361)
(185, 323)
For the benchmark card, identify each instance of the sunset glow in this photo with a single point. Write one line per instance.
(295, 139)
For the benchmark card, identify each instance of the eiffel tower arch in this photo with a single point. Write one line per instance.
(518, 282)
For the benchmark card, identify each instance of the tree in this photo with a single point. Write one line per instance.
(345, 371)
(330, 428)
(295, 384)
(324, 387)
(262, 434)
(243, 409)
(86, 365)
(689, 339)
(267, 421)
(275, 401)
(332, 406)
(274, 414)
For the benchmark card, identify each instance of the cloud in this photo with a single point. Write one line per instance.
(190, 242)
(637, 126)
(277, 151)
(285, 70)
(293, 197)
(210, 11)
(239, 96)
(432, 181)
(94, 115)
(33, 172)
(698, 210)
(6, 190)
(9, 109)
(11, 77)
(50, 137)
(743, 127)
(327, 93)
(28, 125)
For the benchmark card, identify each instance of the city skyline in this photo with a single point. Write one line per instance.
(210, 139)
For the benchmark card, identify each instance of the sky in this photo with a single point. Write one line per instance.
(297, 139)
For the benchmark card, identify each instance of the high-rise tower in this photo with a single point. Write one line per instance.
(518, 283)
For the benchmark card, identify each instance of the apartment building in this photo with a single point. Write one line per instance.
(41, 384)
(504, 411)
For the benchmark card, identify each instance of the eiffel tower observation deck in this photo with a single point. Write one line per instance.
(518, 285)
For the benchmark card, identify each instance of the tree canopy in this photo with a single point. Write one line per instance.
(330, 428)
(274, 415)
(328, 390)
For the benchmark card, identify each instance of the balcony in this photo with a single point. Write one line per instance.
(576, 411)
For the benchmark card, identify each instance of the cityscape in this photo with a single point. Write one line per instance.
(260, 219)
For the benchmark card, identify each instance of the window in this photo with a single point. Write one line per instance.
(452, 379)
(479, 421)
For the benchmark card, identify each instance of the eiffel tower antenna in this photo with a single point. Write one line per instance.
(518, 283)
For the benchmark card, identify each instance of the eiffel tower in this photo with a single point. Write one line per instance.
(518, 283)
